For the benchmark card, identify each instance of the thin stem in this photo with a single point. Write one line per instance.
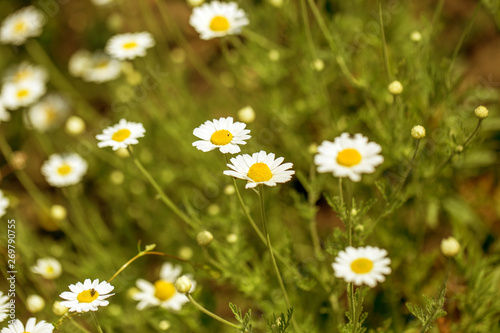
(341, 192)
(384, 44)
(269, 246)
(96, 322)
(407, 173)
(211, 314)
(166, 200)
(352, 301)
(312, 198)
(307, 28)
(77, 325)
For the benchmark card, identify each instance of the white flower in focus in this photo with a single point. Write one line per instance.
(49, 268)
(4, 303)
(4, 203)
(221, 133)
(348, 157)
(260, 168)
(121, 135)
(217, 19)
(162, 292)
(101, 68)
(86, 296)
(362, 265)
(130, 45)
(48, 113)
(19, 26)
(25, 72)
(31, 327)
(64, 170)
(16, 95)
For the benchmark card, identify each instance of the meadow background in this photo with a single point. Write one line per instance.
(310, 70)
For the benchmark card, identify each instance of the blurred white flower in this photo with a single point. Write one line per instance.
(25, 93)
(162, 292)
(4, 303)
(86, 296)
(129, 45)
(4, 203)
(221, 133)
(22, 24)
(25, 71)
(49, 268)
(31, 327)
(94, 67)
(121, 135)
(217, 19)
(79, 62)
(64, 170)
(48, 113)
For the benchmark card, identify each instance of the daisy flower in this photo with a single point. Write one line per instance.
(130, 45)
(31, 327)
(362, 265)
(25, 93)
(26, 72)
(348, 157)
(19, 26)
(101, 68)
(64, 170)
(86, 296)
(49, 268)
(260, 168)
(162, 292)
(217, 19)
(4, 303)
(121, 135)
(4, 203)
(50, 112)
(222, 134)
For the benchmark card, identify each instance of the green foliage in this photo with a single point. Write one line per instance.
(431, 311)
(281, 323)
(244, 321)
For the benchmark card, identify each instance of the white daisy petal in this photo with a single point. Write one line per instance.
(222, 134)
(64, 170)
(19, 26)
(129, 45)
(121, 135)
(87, 296)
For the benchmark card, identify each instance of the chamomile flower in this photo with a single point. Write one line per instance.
(4, 303)
(221, 133)
(25, 93)
(49, 113)
(217, 19)
(86, 296)
(121, 135)
(64, 170)
(31, 327)
(26, 71)
(162, 292)
(4, 203)
(130, 45)
(49, 268)
(260, 168)
(19, 26)
(101, 68)
(362, 265)
(348, 157)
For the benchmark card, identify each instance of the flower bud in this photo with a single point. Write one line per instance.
(450, 246)
(18, 160)
(395, 87)
(418, 132)
(313, 148)
(213, 209)
(274, 55)
(246, 115)
(204, 238)
(232, 238)
(35, 303)
(185, 252)
(74, 125)
(229, 190)
(416, 36)
(459, 149)
(276, 3)
(58, 309)
(183, 284)
(58, 212)
(164, 325)
(481, 112)
(194, 3)
(318, 65)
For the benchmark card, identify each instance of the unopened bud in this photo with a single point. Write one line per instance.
(183, 284)
(204, 238)
(247, 114)
(418, 132)
(229, 190)
(58, 309)
(481, 112)
(232, 238)
(274, 55)
(35, 303)
(75, 125)
(164, 325)
(450, 246)
(194, 3)
(459, 149)
(318, 65)
(18, 160)
(416, 36)
(395, 87)
(58, 212)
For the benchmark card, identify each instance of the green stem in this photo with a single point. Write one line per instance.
(260, 40)
(164, 198)
(312, 198)
(307, 28)
(96, 322)
(211, 314)
(77, 325)
(384, 44)
(407, 173)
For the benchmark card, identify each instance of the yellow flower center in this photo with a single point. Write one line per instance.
(362, 266)
(87, 296)
(50, 114)
(221, 137)
(22, 93)
(349, 157)
(260, 172)
(64, 169)
(20, 26)
(164, 290)
(21, 75)
(129, 45)
(49, 270)
(219, 23)
(121, 135)
(101, 64)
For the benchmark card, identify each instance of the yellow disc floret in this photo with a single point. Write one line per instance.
(219, 23)
(362, 266)
(129, 45)
(64, 170)
(260, 172)
(120, 135)
(87, 296)
(221, 137)
(349, 157)
(22, 93)
(164, 290)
